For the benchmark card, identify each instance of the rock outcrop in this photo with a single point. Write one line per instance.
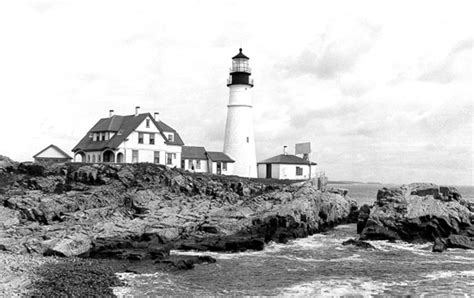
(140, 211)
(421, 212)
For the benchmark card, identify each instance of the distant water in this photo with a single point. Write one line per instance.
(367, 193)
(321, 266)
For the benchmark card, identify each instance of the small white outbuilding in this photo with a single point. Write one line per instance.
(286, 166)
(52, 154)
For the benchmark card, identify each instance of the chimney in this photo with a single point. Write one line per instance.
(137, 110)
(284, 150)
(111, 113)
(157, 116)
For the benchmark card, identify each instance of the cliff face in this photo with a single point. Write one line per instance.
(420, 212)
(142, 210)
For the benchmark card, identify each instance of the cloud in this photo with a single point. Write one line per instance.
(456, 65)
(332, 55)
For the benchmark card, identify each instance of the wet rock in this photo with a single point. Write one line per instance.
(358, 243)
(460, 241)
(223, 244)
(363, 215)
(439, 245)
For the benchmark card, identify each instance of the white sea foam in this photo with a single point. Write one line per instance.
(218, 255)
(448, 274)
(384, 245)
(336, 288)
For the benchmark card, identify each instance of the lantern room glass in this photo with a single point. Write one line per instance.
(240, 65)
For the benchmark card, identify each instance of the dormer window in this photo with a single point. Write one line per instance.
(170, 137)
(102, 134)
(147, 123)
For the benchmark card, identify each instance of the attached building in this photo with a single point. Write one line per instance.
(286, 166)
(194, 159)
(52, 154)
(220, 163)
(130, 139)
(197, 159)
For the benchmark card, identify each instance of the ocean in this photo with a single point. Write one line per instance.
(320, 266)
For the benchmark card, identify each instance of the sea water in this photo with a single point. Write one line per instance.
(320, 266)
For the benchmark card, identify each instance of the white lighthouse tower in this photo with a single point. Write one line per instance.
(239, 141)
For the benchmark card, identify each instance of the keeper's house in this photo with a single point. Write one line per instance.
(130, 139)
(52, 154)
(286, 166)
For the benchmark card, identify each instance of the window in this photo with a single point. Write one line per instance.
(156, 157)
(169, 158)
(102, 134)
(170, 137)
(93, 158)
(134, 155)
(88, 158)
(198, 164)
(193, 163)
(152, 139)
(98, 158)
(299, 171)
(140, 138)
(224, 166)
(147, 123)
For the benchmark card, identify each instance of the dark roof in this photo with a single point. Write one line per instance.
(286, 159)
(55, 147)
(123, 126)
(219, 156)
(240, 55)
(193, 152)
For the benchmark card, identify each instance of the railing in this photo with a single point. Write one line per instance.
(229, 81)
(236, 68)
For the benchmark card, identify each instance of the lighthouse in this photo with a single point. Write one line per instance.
(239, 142)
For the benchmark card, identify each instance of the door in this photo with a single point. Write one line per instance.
(269, 170)
(219, 168)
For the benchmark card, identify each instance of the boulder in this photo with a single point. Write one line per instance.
(358, 243)
(74, 245)
(362, 218)
(419, 212)
(439, 245)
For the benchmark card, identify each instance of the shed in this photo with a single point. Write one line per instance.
(52, 154)
(286, 166)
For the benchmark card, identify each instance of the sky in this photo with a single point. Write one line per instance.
(383, 90)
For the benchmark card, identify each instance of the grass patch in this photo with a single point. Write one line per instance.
(74, 278)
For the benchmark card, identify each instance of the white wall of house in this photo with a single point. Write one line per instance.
(146, 151)
(51, 152)
(287, 171)
(200, 166)
(262, 171)
(228, 171)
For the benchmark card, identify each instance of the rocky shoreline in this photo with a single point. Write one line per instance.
(79, 220)
(137, 213)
